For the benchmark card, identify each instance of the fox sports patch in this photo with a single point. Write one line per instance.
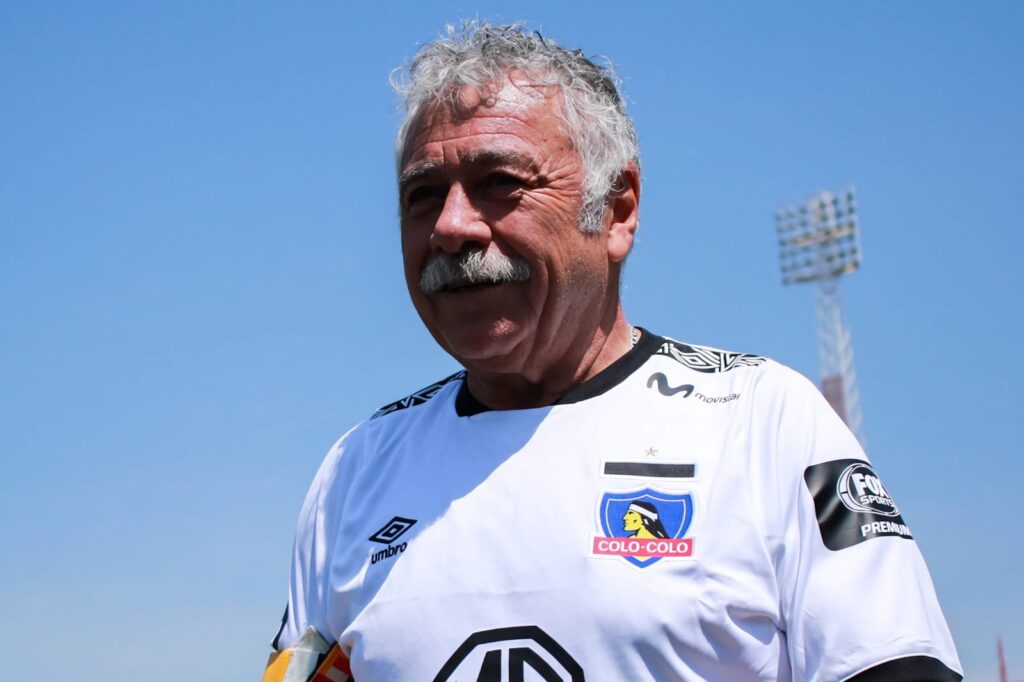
(851, 504)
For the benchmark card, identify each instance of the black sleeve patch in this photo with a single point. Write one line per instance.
(852, 505)
(909, 669)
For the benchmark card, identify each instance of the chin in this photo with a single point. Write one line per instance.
(488, 347)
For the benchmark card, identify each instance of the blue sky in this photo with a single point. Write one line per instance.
(200, 284)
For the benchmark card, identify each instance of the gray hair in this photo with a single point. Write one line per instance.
(480, 55)
(472, 267)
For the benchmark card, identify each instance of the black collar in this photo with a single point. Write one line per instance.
(466, 404)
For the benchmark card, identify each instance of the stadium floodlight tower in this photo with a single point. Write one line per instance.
(818, 242)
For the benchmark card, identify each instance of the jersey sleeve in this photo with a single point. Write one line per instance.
(315, 537)
(856, 597)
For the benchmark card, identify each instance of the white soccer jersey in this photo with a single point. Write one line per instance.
(688, 514)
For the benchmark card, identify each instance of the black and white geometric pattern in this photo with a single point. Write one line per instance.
(707, 360)
(419, 397)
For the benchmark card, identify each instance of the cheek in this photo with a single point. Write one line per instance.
(414, 255)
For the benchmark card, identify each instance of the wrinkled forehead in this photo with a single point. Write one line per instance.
(464, 99)
(516, 95)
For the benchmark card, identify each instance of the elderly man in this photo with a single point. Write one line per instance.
(586, 499)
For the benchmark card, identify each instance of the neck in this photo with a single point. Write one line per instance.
(544, 386)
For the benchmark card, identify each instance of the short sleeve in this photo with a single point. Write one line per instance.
(315, 537)
(855, 592)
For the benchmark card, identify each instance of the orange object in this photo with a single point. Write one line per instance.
(335, 668)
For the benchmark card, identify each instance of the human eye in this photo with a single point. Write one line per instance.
(503, 185)
(423, 197)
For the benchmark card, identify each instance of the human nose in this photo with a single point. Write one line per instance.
(459, 223)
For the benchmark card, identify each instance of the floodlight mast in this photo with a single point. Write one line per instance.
(818, 242)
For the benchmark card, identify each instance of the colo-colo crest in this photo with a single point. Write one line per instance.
(644, 526)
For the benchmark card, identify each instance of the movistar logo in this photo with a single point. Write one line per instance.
(665, 389)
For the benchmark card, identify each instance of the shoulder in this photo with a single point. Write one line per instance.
(781, 410)
(768, 386)
(347, 453)
(706, 359)
(356, 449)
(757, 379)
(419, 397)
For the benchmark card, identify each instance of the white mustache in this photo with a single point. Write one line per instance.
(448, 271)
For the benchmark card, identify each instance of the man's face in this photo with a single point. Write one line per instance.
(501, 179)
(632, 521)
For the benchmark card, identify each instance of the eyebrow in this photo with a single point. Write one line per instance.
(497, 157)
(416, 172)
(478, 157)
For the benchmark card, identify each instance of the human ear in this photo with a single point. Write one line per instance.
(624, 210)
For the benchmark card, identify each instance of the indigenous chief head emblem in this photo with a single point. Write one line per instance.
(644, 526)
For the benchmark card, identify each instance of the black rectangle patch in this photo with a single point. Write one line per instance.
(851, 504)
(649, 469)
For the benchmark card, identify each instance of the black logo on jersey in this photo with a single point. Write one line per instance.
(505, 654)
(392, 530)
(686, 389)
(665, 389)
(851, 504)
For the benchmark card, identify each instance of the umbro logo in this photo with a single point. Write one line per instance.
(392, 530)
(387, 534)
